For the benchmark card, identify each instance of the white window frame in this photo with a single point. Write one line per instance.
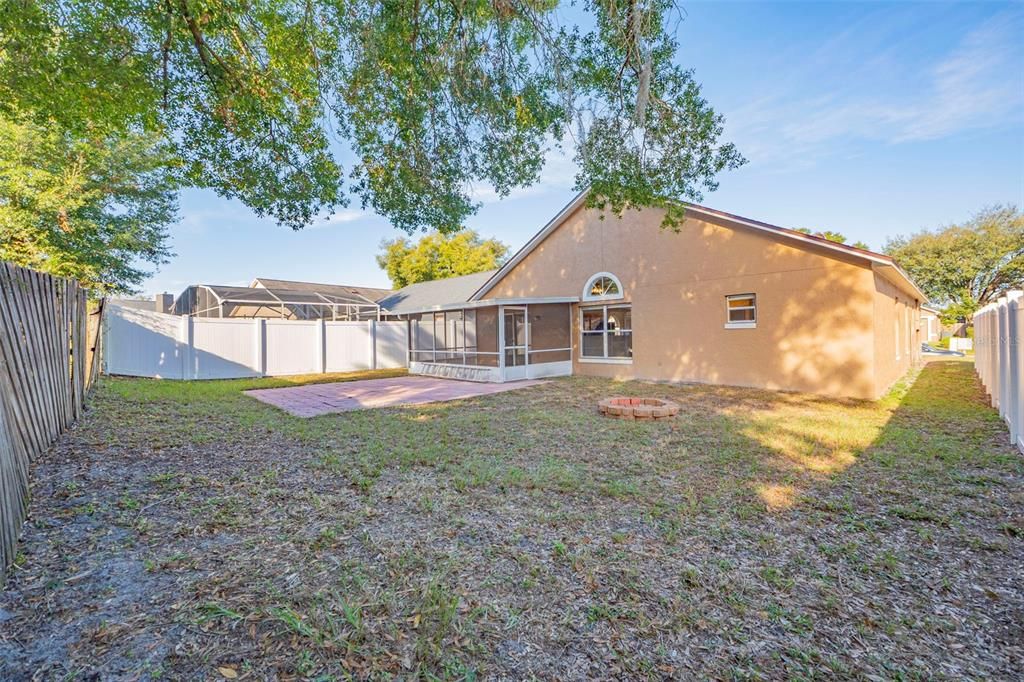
(740, 324)
(587, 296)
(605, 359)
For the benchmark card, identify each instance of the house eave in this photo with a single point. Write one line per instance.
(485, 303)
(895, 275)
(881, 261)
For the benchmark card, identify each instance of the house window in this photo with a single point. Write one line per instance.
(741, 311)
(606, 333)
(602, 286)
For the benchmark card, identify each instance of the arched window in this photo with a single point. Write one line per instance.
(601, 287)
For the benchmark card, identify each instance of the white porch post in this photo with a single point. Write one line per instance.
(501, 342)
(526, 341)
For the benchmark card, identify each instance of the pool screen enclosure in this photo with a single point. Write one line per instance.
(207, 300)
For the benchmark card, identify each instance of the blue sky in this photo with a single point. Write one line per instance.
(871, 119)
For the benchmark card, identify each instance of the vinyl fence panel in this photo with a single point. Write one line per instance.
(293, 347)
(149, 344)
(142, 343)
(392, 345)
(223, 349)
(348, 346)
(999, 359)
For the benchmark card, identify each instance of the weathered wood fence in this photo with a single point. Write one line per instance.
(999, 358)
(47, 352)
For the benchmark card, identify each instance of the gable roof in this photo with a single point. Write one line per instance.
(884, 264)
(435, 293)
(371, 294)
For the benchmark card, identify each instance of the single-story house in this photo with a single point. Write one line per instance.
(724, 300)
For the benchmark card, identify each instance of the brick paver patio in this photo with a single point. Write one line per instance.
(317, 399)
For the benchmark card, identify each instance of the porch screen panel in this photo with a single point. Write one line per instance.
(470, 338)
(422, 328)
(550, 333)
(449, 329)
(440, 338)
(486, 337)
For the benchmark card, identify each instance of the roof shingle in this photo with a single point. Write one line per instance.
(438, 292)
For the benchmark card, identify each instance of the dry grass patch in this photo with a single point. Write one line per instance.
(188, 531)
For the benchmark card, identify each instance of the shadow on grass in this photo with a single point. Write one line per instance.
(934, 425)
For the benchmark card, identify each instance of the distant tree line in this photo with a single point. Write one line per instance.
(965, 266)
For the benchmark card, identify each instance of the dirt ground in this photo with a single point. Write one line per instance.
(186, 531)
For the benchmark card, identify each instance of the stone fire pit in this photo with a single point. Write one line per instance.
(638, 408)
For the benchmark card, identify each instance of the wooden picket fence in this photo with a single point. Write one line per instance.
(47, 364)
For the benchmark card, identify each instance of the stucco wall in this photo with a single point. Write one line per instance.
(898, 337)
(815, 311)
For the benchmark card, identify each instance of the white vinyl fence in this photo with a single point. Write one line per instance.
(999, 358)
(960, 343)
(143, 343)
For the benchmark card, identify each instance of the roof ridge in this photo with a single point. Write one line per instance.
(579, 200)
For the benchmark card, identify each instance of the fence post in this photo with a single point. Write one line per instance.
(321, 346)
(1013, 378)
(1018, 360)
(992, 378)
(260, 346)
(981, 328)
(1004, 346)
(373, 343)
(993, 355)
(187, 335)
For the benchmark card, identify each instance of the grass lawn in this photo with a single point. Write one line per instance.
(186, 531)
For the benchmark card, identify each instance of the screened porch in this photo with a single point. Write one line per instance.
(493, 342)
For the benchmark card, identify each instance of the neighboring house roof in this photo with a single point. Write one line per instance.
(135, 303)
(435, 293)
(371, 294)
(929, 309)
(885, 265)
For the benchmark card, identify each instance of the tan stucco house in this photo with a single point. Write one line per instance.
(724, 300)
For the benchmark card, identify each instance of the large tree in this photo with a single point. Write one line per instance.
(966, 266)
(439, 256)
(92, 206)
(297, 107)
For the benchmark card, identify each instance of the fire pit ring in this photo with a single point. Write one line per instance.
(637, 408)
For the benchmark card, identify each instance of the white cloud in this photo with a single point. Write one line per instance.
(977, 85)
(345, 215)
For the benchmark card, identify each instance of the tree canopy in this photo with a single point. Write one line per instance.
(92, 206)
(963, 267)
(298, 107)
(439, 256)
(832, 236)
